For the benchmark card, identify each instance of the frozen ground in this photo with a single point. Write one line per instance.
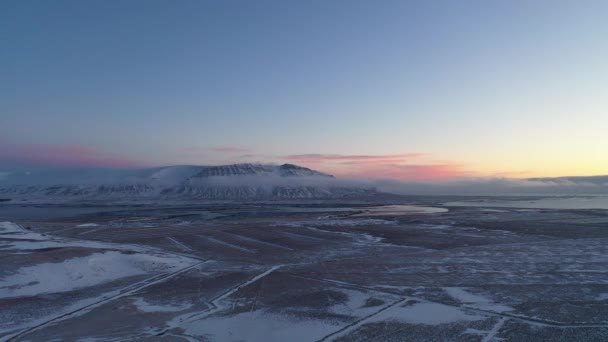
(322, 271)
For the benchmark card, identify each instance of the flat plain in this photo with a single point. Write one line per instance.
(303, 271)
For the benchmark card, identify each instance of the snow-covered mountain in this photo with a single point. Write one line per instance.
(285, 170)
(225, 182)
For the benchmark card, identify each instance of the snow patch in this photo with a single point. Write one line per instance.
(10, 230)
(335, 222)
(14, 237)
(260, 326)
(399, 210)
(603, 296)
(9, 227)
(488, 210)
(82, 272)
(144, 306)
(475, 301)
(425, 313)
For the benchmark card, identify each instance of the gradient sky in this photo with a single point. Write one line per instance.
(399, 89)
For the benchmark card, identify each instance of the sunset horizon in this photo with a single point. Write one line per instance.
(405, 166)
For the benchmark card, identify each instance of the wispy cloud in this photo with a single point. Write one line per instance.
(314, 157)
(219, 149)
(404, 166)
(512, 174)
(411, 172)
(231, 149)
(248, 156)
(62, 156)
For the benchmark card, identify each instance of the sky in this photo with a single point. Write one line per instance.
(409, 90)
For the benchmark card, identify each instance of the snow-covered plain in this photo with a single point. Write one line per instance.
(271, 272)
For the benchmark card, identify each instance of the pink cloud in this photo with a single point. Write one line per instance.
(411, 172)
(231, 149)
(62, 156)
(512, 174)
(249, 156)
(355, 157)
(405, 166)
(221, 149)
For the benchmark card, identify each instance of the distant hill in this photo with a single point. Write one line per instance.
(224, 182)
(575, 180)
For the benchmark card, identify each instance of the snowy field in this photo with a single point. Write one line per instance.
(317, 272)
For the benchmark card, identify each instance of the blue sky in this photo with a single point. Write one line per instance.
(477, 87)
